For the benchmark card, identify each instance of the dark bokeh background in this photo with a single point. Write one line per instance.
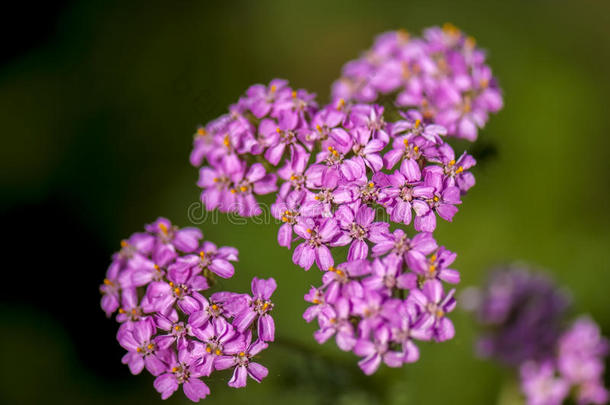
(98, 103)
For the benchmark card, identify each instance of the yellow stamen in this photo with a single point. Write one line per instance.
(432, 268)
(371, 184)
(150, 346)
(133, 311)
(218, 352)
(331, 268)
(243, 189)
(433, 258)
(284, 219)
(226, 141)
(171, 284)
(318, 127)
(156, 266)
(470, 42)
(163, 227)
(417, 123)
(174, 369)
(208, 349)
(451, 162)
(403, 35)
(451, 29)
(459, 170)
(416, 148)
(233, 191)
(202, 255)
(340, 104)
(124, 243)
(278, 130)
(201, 131)
(294, 94)
(177, 327)
(273, 88)
(139, 350)
(265, 306)
(309, 230)
(316, 301)
(214, 307)
(436, 199)
(440, 313)
(293, 177)
(121, 311)
(108, 282)
(339, 272)
(177, 290)
(242, 354)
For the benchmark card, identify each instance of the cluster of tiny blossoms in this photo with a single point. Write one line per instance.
(156, 283)
(525, 317)
(335, 171)
(443, 74)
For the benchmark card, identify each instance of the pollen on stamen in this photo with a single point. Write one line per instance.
(202, 255)
(451, 162)
(174, 369)
(208, 349)
(309, 230)
(294, 94)
(124, 243)
(371, 184)
(340, 104)
(163, 227)
(150, 346)
(201, 131)
(108, 282)
(417, 123)
(278, 130)
(217, 352)
(436, 199)
(214, 307)
(242, 354)
(318, 127)
(273, 88)
(243, 189)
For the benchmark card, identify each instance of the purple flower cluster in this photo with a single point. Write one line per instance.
(156, 282)
(525, 316)
(443, 75)
(345, 177)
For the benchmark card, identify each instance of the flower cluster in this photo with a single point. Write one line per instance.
(443, 74)
(346, 177)
(526, 315)
(156, 283)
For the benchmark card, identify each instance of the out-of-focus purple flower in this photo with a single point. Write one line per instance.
(525, 314)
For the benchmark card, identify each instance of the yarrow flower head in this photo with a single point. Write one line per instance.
(525, 314)
(156, 284)
(442, 75)
(346, 176)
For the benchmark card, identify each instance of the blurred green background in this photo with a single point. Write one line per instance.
(98, 119)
